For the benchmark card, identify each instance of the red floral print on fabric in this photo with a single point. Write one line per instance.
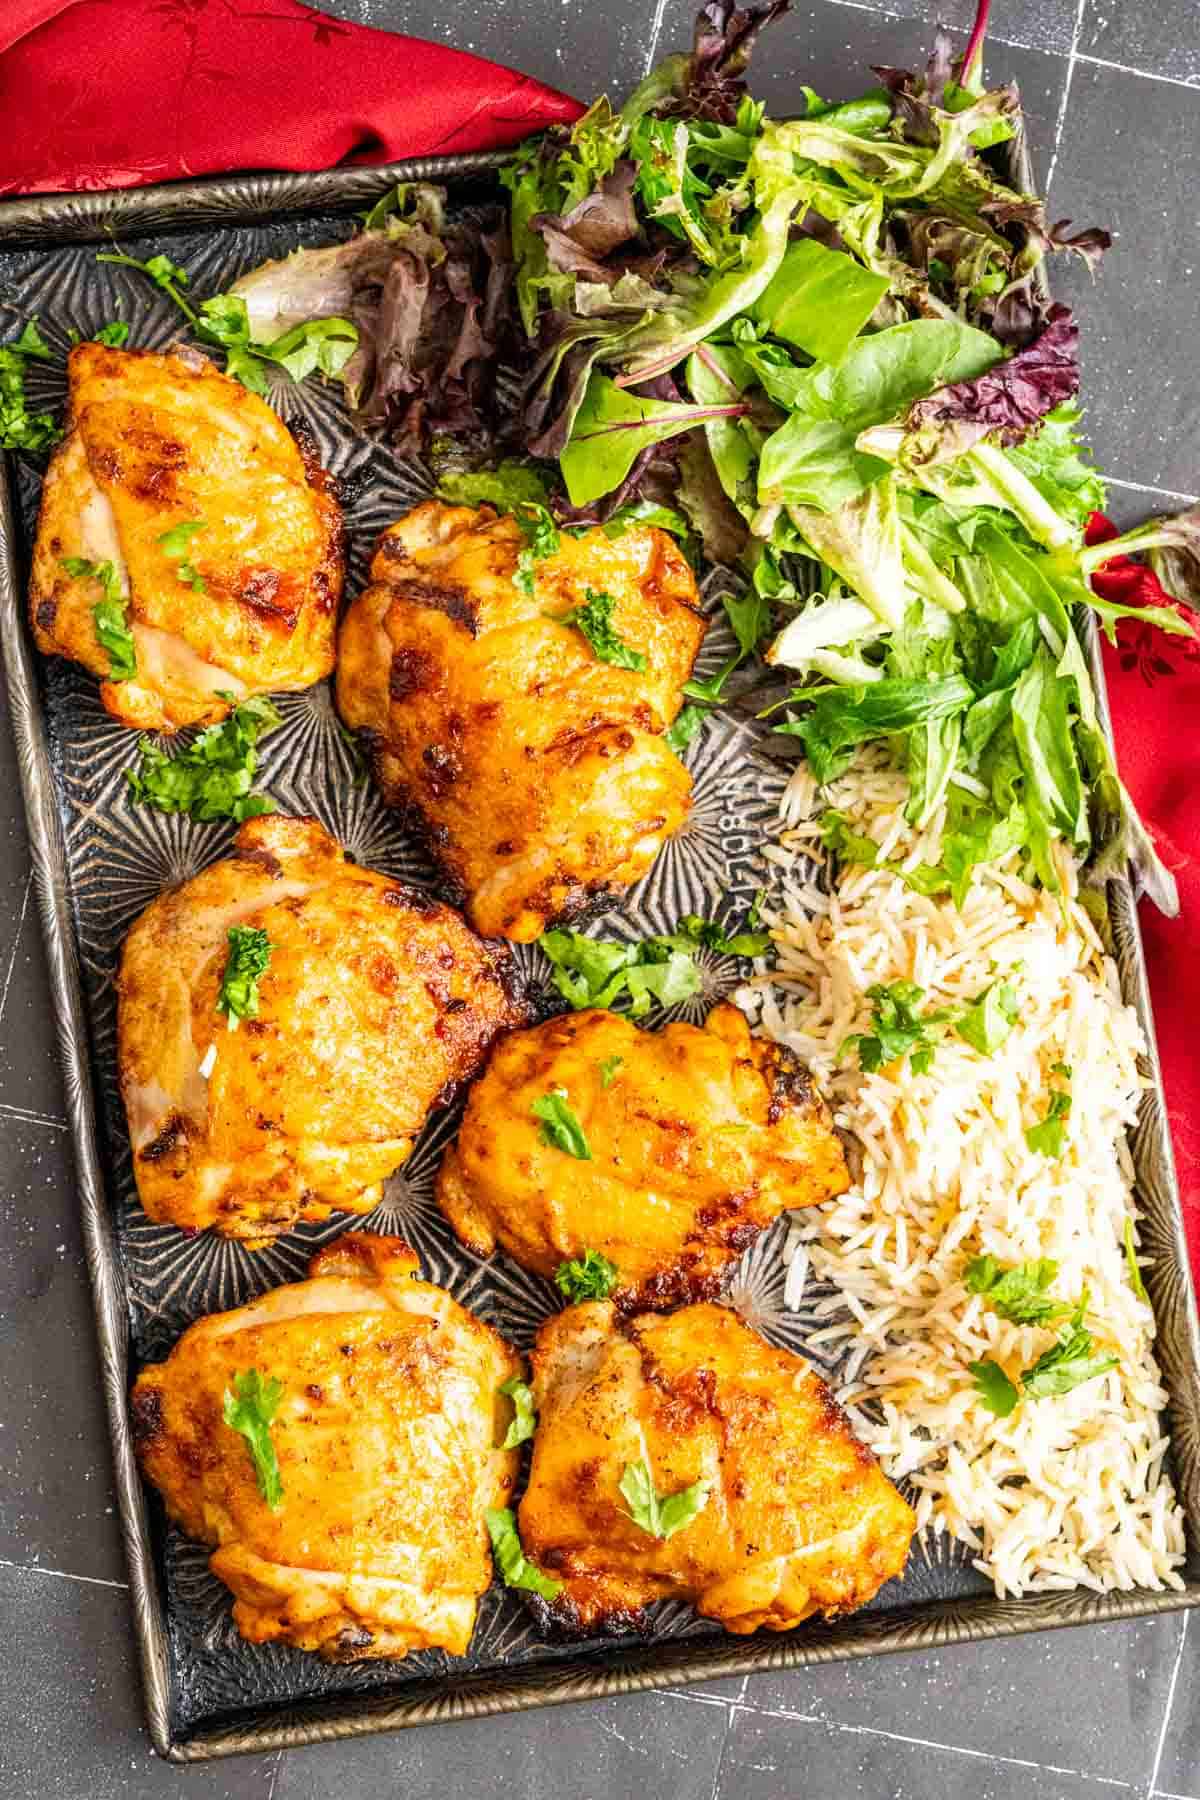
(1154, 700)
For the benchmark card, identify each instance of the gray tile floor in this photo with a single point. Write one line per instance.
(1113, 89)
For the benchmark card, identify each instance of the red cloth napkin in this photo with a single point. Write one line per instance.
(1154, 692)
(114, 93)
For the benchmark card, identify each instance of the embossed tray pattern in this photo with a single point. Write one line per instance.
(99, 859)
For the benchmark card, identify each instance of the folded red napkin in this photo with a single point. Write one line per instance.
(1154, 692)
(114, 93)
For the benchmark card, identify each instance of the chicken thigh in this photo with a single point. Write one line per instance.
(528, 748)
(179, 505)
(791, 1515)
(355, 1525)
(696, 1141)
(375, 1004)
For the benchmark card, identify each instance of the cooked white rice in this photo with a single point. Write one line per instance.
(1068, 1490)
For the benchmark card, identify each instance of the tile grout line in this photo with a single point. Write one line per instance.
(12, 960)
(1102, 62)
(1167, 1710)
(275, 1768)
(730, 1717)
(897, 1737)
(656, 25)
(32, 1118)
(896, 18)
(61, 1574)
(1060, 122)
(1140, 487)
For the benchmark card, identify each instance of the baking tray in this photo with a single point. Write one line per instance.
(98, 860)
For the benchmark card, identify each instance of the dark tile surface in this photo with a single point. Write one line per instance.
(30, 1076)
(70, 1705)
(770, 1757)
(1117, 1677)
(1161, 39)
(1077, 1714)
(651, 1744)
(832, 48)
(1179, 1763)
(1130, 159)
(55, 1469)
(566, 43)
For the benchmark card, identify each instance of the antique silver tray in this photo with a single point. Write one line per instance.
(98, 860)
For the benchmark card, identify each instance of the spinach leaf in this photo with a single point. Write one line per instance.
(613, 427)
(819, 299)
(843, 718)
(812, 460)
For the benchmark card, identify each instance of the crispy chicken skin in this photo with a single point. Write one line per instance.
(385, 1435)
(799, 1519)
(538, 771)
(698, 1142)
(158, 440)
(377, 1003)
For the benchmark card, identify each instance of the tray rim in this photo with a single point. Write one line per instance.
(57, 220)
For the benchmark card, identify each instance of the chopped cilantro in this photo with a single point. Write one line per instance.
(1068, 1363)
(847, 845)
(250, 1405)
(594, 620)
(589, 1277)
(1049, 1135)
(599, 971)
(19, 428)
(660, 1515)
(176, 547)
(213, 778)
(560, 1125)
(1018, 1293)
(899, 1029)
(1135, 1274)
(994, 1388)
(109, 615)
(249, 955)
(687, 724)
(989, 1019)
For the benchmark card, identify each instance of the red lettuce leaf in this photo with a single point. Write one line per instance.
(1010, 400)
(721, 49)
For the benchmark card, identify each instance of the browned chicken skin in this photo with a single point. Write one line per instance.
(539, 771)
(155, 441)
(699, 1139)
(799, 1518)
(377, 1003)
(385, 1436)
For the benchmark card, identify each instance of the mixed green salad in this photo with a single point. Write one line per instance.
(820, 350)
(826, 342)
